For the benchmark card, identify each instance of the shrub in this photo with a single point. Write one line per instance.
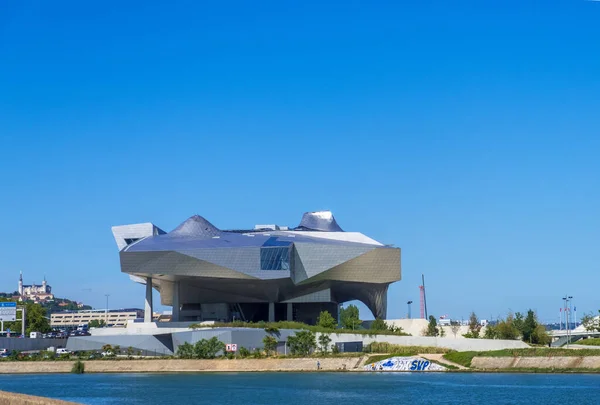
(324, 342)
(257, 354)
(208, 349)
(272, 330)
(303, 343)
(379, 324)
(325, 320)
(244, 352)
(270, 344)
(78, 367)
(185, 351)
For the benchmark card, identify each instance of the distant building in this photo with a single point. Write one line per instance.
(34, 292)
(113, 318)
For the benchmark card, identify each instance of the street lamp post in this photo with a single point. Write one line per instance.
(408, 303)
(567, 300)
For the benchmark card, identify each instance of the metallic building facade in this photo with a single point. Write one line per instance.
(266, 273)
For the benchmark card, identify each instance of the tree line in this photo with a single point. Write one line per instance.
(513, 327)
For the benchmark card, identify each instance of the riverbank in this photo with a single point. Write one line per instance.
(517, 364)
(189, 366)
(9, 398)
(567, 363)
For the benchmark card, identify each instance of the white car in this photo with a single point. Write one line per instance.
(107, 354)
(62, 351)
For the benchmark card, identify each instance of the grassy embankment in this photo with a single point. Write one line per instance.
(588, 342)
(465, 358)
(299, 325)
(400, 351)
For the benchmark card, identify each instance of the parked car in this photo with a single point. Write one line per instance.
(94, 356)
(62, 350)
(108, 353)
(4, 353)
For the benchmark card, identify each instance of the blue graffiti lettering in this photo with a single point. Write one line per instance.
(418, 365)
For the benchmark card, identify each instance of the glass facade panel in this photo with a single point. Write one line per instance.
(275, 258)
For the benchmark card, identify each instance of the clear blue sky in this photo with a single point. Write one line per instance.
(466, 133)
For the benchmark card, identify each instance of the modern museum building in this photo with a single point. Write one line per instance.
(268, 273)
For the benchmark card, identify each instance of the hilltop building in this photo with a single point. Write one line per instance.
(269, 272)
(34, 292)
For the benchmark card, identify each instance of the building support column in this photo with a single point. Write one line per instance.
(148, 305)
(271, 312)
(175, 317)
(290, 311)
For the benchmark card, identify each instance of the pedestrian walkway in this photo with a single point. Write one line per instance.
(440, 359)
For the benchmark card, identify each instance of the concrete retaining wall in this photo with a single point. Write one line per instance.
(536, 362)
(30, 344)
(157, 366)
(462, 345)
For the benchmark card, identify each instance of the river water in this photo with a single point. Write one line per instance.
(311, 388)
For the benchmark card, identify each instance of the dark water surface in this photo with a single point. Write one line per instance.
(311, 388)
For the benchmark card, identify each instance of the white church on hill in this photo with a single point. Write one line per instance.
(34, 292)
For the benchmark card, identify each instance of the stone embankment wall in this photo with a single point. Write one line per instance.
(591, 362)
(8, 398)
(176, 365)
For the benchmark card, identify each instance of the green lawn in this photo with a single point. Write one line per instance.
(406, 351)
(297, 325)
(464, 358)
(588, 342)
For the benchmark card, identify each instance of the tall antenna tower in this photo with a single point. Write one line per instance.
(423, 298)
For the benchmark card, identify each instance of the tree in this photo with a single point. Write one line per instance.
(590, 322)
(324, 342)
(532, 331)
(379, 325)
(95, 323)
(302, 343)
(325, 320)
(130, 352)
(529, 326)
(269, 344)
(540, 336)
(503, 329)
(349, 317)
(519, 322)
(36, 317)
(454, 327)
(432, 329)
(474, 325)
